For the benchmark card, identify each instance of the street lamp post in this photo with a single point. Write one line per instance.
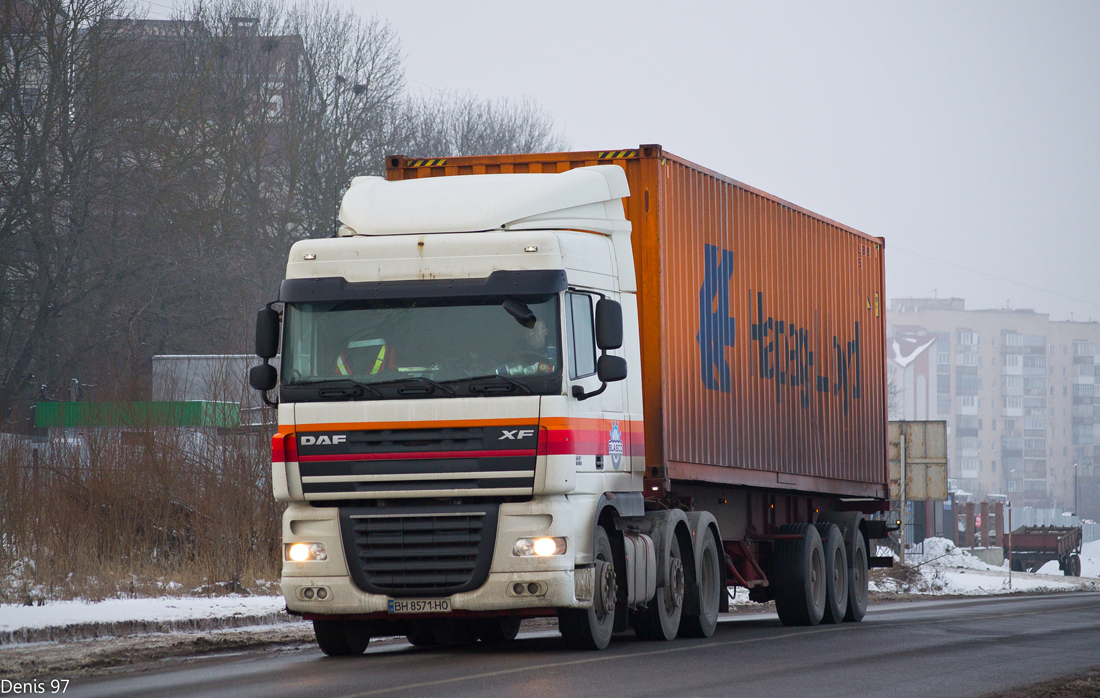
(1075, 512)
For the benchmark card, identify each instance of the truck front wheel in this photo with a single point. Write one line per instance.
(341, 638)
(591, 628)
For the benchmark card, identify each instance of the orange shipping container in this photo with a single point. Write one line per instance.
(762, 326)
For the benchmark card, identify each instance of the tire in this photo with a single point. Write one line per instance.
(419, 634)
(836, 572)
(339, 638)
(798, 571)
(856, 547)
(710, 589)
(660, 620)
(1072, 566)
(591, 628)
(857, 584)
(497, 631)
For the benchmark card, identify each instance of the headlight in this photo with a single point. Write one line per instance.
(539, 547)
(304, 552)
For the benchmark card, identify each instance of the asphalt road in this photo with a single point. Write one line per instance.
(929, 648)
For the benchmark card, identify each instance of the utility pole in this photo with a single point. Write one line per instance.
(901, 503)
(1010, 546)
(1075, 512)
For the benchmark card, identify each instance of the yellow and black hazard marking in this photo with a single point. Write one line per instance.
(618, 154)
(433, 162)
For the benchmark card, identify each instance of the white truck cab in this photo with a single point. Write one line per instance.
(453, 410)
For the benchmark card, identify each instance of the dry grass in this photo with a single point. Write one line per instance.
(98, 513)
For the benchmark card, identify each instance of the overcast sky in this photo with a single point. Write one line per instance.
(965, 133)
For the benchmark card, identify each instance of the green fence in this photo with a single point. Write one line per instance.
(197, 413)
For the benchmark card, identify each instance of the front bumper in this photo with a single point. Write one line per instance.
(544, 582)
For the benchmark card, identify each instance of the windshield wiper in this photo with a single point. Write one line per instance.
(491, 376)
(418, 379)
(339, 387)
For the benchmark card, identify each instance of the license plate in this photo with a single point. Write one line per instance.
(420, 605)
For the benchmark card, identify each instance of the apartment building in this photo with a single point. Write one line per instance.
(1017, 391)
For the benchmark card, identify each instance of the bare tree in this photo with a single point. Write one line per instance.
(463, 124)
(64, 96)
(154, 173)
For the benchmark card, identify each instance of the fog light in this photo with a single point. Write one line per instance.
(303, 552)
(517, 588)
(539, 547)
(532, 588)
(322, 594)
(307, 593)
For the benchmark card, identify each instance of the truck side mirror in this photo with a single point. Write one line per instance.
(263, 377)
(609, 335)
(611, 368)
(609, 324)
(267, 333)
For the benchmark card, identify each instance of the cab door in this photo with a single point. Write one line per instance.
(604, 446)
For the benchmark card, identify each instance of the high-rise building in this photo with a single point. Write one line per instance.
(1017, 391)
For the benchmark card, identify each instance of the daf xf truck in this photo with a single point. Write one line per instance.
(604, 386)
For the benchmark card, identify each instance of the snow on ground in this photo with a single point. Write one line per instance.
(944, 569)
(59, 614)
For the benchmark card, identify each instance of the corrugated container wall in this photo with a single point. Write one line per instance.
(762, 324)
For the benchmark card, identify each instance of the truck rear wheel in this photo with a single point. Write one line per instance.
(591, 628)
(341, 638)
(798, 571)
(836, 572)
(710, 589)
(660, 620)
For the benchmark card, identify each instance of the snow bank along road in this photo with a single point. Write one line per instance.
(968, 647)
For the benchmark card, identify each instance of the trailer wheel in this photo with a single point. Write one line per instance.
(710, 590)
(1072, 566)
(660, 620)
(836, 573)
(799, 575)
(856, 545)
(591, 628)
(857, 584)
(496, 631)
(339, 638)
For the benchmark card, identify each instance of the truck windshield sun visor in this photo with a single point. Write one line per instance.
(514, 284)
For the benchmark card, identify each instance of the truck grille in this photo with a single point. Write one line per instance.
(413, 551)
(417, 463)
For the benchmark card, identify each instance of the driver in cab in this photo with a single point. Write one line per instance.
(537, 357)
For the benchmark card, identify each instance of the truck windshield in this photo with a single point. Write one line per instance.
(435, 347)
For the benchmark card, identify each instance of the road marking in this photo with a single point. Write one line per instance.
(685, 648)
